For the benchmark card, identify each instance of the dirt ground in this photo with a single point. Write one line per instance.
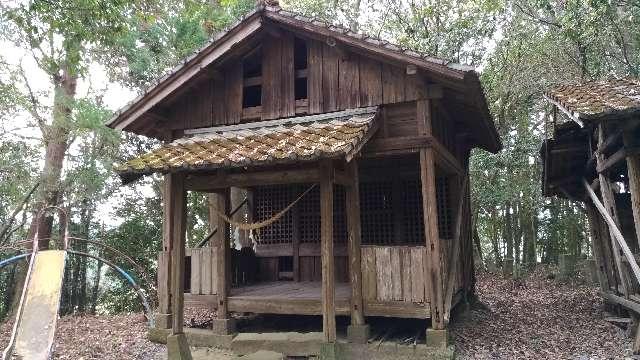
(532, 318)
(538, 318)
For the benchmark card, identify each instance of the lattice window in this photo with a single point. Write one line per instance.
(443, 198)
(309, 216)
(412, 218)
(339, 215)
(271, 199)
(376, 212)
(268, 201)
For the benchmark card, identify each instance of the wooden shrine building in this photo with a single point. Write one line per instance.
(593, 156)
(354, 156)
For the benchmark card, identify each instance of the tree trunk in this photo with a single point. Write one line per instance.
(56, 138)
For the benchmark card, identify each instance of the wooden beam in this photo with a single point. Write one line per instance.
(617, 235)
(222, 244)
(178, 215)
(612, 160)
(631, 305)
(195, 182)
(326, 239)
(354, 239)
(633, 172)
(164, 263)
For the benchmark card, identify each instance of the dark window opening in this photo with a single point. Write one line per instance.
(252, 96)
(301, 88)
(300, 54)
(252, 79)
(300, 64)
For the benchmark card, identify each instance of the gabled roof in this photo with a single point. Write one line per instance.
(306, 138)
(451, 74)
(597, 100)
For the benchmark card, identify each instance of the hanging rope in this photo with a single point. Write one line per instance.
(265, 223)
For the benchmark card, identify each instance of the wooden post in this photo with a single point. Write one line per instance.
(354, 238)
(176, 227)
(433, 267)
(609, 203)
(326, 239)
(633, 171)
(163, 318)
(222, 245)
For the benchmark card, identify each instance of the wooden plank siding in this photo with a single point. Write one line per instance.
(336, 80)
(394, 274)
(203, 270)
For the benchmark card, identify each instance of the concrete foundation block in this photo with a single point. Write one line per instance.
(178, 348)
(195, 337)
(331, 351)
(437, 338)
(358, 334)
(163, 321)
(224, 326)
(566, 266)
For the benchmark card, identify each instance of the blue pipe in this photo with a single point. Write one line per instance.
(8, 261)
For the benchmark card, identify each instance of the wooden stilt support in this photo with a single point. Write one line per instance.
(326, 239)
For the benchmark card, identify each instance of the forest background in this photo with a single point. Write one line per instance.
(66, 66)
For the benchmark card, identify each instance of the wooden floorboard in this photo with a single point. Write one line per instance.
(303, 298)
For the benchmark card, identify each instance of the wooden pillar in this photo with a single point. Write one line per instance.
(354, 239)
(222, 245)
(633, 171)
(433, 267)
(609, 203)
(176, 229)
(326, 239)
(163, 318)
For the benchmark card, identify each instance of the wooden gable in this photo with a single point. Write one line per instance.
(333, 79)
(274, 65)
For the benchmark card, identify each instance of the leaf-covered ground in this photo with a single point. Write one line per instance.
(532, 318)
(538, 318)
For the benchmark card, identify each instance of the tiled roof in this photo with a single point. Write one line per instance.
(598, 99)
(329, 135)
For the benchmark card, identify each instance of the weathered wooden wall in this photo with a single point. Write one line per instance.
(203, 272)
(336, 80)
(394, 273)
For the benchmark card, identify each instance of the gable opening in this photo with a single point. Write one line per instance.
(300, 63)
(252, 79)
